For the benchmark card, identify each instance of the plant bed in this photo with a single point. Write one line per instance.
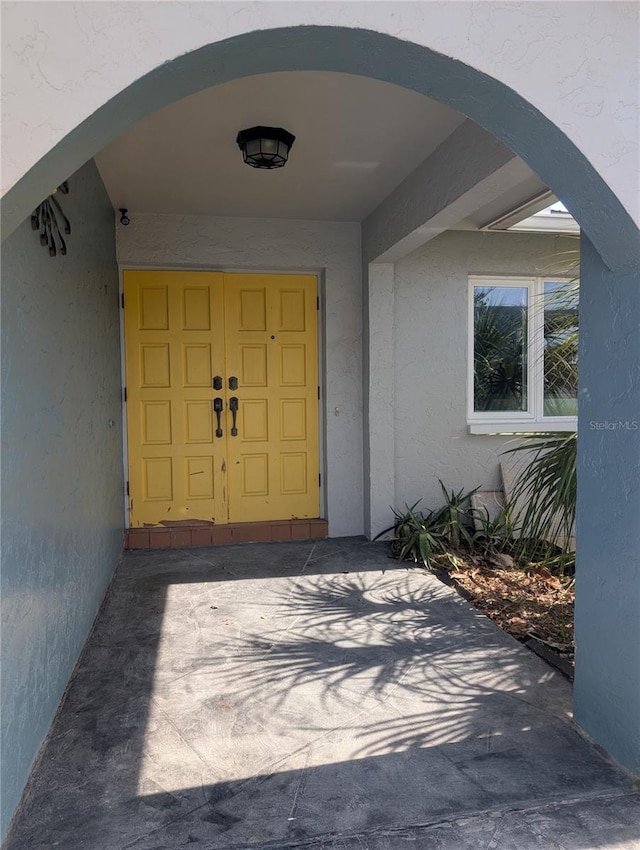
(529, 603)
(520, 583)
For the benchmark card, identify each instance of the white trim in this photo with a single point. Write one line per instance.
(509, 428)
(516, 214)
(536, 224)
(531, 420)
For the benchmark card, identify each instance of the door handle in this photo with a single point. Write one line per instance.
(233, 407)
(217, 408)
(233, 383)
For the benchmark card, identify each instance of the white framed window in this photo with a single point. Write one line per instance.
(522, 354)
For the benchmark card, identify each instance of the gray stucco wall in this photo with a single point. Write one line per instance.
(431, 344)
(61, 463)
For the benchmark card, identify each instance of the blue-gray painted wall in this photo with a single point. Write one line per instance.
(62, 517)
(607, 615)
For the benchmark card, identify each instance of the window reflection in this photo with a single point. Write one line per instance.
(500, 348)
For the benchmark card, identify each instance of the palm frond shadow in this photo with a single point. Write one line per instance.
(351, 644)
(334, 601)
(451, 718)
(302, 661)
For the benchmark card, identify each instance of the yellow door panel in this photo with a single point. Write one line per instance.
(198, 422)
(156, 423)
(253, 365)
(198, 368)
(271, 347)
(153, 313)
(181, 330)
(254, 477)
(157, 479)
(154, 362)
(254, 415)
(252, 312)
(196, 308)
(292, 310)
(293, 365)
(198, 482)
(293, 419)
(172, 350)
(293, 473)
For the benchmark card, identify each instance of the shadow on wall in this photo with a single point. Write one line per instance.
(354, 703)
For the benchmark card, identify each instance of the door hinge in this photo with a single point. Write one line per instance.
(318, 393)
(317, 302)
(122, 300)
(124, 394)
(319, 479)
(128, 493)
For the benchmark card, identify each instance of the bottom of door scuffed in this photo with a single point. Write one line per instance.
(246, 532)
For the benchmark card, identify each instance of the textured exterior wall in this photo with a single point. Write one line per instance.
(330, 248)
(379, 415)
(431, 350)
(61, 463)
(577, 63)
(607, 615)
(430, 197)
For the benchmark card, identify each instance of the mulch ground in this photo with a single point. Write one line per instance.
(531, 604)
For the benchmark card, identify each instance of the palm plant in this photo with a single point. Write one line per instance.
(420, 537)
(493, 533)
(561, 348)
(546, 484)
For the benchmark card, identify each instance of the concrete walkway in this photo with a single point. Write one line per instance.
(313, 695)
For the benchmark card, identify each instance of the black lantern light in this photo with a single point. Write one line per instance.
(265, 147)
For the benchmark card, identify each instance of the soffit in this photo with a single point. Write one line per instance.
(356, 139)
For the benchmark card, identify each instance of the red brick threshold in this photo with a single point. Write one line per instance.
(247, 532)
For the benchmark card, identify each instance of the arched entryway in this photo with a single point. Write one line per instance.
(485, 100)
(607, 695)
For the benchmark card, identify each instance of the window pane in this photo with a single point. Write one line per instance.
(500, 348)
(560, 349)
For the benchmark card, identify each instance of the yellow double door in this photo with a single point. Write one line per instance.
(222, 396)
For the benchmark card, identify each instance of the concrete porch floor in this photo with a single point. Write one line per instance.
(318, 695)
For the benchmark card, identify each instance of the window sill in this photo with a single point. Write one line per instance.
(506, 429)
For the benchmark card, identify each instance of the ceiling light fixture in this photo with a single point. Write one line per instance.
(265, 147)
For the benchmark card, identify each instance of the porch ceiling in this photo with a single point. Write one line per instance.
(356, 139)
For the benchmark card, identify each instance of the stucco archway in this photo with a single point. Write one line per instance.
(607, 697)
(486, 100)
